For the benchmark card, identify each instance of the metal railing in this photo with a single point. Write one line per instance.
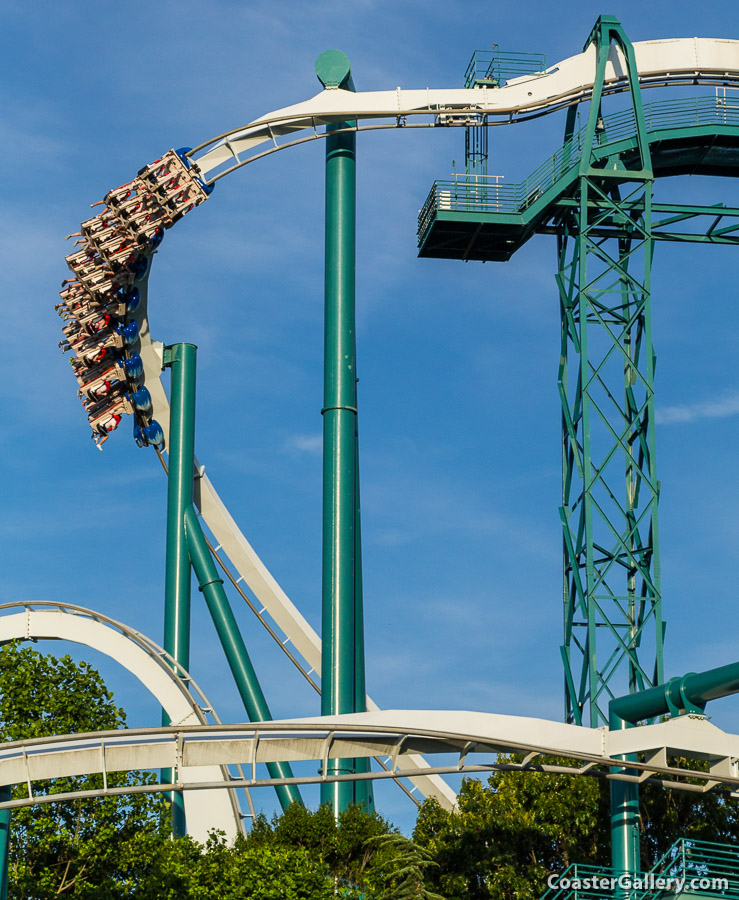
(470, 194)
(493, 68)
(691, 860)
(689, 866)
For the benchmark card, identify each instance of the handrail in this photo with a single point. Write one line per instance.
(466, 193)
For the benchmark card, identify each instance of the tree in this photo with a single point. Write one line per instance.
(89, 848)
(344, 845)
(509, 834)
(402, 869)
(506, 836)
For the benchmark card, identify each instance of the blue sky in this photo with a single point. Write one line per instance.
(459, 415)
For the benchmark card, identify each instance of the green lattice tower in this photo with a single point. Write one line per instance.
(613, 629)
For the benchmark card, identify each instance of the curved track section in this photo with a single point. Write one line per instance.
(142, 212)
(178, 694)
(660, 63)
(475, 739)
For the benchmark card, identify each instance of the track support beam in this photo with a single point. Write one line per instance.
(342, 663)
(185, 544)
(181, 359)
(233, 645)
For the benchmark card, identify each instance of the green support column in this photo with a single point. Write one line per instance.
(625, 855)
(5, 795)
(340, 503)
(233, 646)
(613, 628)
(363, 793)
(181, 358)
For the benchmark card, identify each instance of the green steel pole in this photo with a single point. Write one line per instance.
(181, 358)
(5, 795)
(339, 412)
(363, 793)
(233, 645)
(688, 693)
(625, 856)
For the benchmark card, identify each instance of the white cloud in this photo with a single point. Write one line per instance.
(303, 443)
(703, 409)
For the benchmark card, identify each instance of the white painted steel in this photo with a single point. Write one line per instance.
(658, 62)
(371, 734)
(141, 657)
(288, 618)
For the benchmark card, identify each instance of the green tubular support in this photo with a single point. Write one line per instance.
(625, 853)
(613, 623)
(687, 694)
(341, 597)
(233, 645)
(181, 358)
(363, 793)
(5, 795)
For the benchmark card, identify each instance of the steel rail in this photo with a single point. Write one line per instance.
(322, 739)
(660, 63)
(178, 677)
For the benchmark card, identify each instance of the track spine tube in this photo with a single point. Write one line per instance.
(233, 645)
(181, 358)
(340, 505)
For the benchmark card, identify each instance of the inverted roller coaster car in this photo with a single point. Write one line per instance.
(113, 253)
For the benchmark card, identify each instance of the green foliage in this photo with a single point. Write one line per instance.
(668, 815)
(81, 848)
(509, 834)
(344, 845)
(401, 868)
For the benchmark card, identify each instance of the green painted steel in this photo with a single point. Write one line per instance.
(341, 666)
(5, 795)
(687, 859)
(685, 694)
(613, 630)
(625, 820)
(334, 70)
(613, 602)
(529, 203)
(181, 359)
(363, 792)
(679, 696)
(233, 645)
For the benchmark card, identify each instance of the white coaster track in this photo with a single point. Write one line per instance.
(660, 63)
(178, 694)
(467, 735)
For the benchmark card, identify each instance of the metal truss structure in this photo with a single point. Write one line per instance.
(176, 691)
(595, 195)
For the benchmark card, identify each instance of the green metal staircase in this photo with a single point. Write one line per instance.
(475, 217)
(595, 195)
(689, 869)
